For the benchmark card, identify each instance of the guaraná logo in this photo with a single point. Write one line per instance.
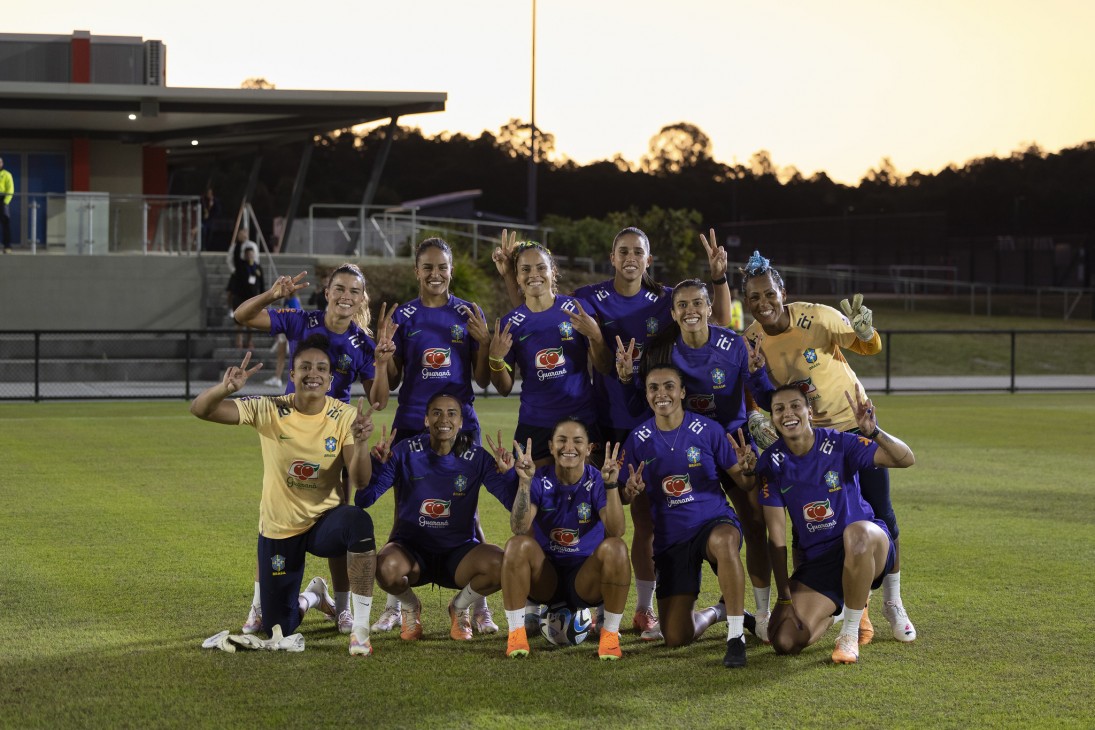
(563, 536)
(434, 508)
(436, 358)
(550, 358)
(817, 511)
(676, 485)
(301, 469)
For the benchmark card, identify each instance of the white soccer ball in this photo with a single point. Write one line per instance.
(563, 627)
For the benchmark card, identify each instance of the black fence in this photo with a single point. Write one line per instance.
(147, 365)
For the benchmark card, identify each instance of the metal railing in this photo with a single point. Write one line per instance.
(98, 223)
(147, 365)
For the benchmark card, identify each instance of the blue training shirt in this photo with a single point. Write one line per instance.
(568, 523)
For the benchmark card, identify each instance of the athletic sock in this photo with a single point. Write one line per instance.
(392, 602)
(735, 627)
(851, 622)
(407, 598)
(763, 599)
(612, 621)
(256, 599)
(644, 594)
(363, 606)
(342, 601)
(481, 605)
(891, 587)
(465, 598)
(515, 619)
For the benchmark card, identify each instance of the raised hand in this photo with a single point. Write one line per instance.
(524, 464)
(584, 322)
(503, 457)
(862, 319)
(635, 483)
(503, 253)
(286, 286)
(864, 412)
(610, 472)
(235, 377)
(477, 323)
(757, 361)
(625, 359)
(747, 458)
(716, 255)
(385, 334)
(761, 429)
(362, 427)
(502, 342)
(383, 449)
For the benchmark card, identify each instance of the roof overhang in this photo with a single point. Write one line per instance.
(220, 120)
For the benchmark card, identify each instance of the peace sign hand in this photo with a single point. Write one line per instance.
(503, 457)
(625, 359)
(585, 323)
(385, 333)
(525, 465)
(383, 449)
(757, 361)
(864, 412)
(503, 254)
(747, 458)
(635, 483)
(716, 255)
(477, 323)
(362, 427)
(503, 340)
(862, 319)
(235, 377)
(286, 286)
(610, 472)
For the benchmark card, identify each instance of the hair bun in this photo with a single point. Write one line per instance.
(756, 264)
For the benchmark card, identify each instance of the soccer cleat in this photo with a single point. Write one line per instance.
(735, 653)
(461, 626)
(761, 631)
(388, 620)
(345, 621)
(646, 623)
(410, 622)
(326, 604)
(532, 623)
(517, 644)
(253, 625)
(866, 628)
(749, 621)
(608, 648)
(360, 644)
(847, 650)
(484, 622)
(902, 627)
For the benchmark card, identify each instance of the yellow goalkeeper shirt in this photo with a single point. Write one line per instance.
(809, 352)
(301, 460)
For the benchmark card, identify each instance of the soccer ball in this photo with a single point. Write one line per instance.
(562, 626)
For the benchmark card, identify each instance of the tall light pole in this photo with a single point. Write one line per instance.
(530, 208)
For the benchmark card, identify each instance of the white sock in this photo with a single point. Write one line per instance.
(612, 621)
(891, 587)
(342, 601)
(763, 598)
(481, 605)
(256, 599)
(393, 602)
(408, 599)
(644, 594)
(307, 600)
(363, 606)
(515, 619)
(465, 598)
(735, 627)
(851, 622)
(720, 611)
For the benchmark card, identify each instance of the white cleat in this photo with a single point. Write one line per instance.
(360, 644)
(253, 625)
(388, 619)
(326, 604)
(902, 628)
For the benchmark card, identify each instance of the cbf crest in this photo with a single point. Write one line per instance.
(810, 355)
(718, 376)
(461, 484)
(457, 333)
(584, 511)
(832, 479)
(330, 444)
(566, 329)
(344, 363)
(693, 455)
(277, 563)
(652, 326)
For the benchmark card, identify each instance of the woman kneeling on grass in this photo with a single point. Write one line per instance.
(812, 473)
(307, 439)
(575, 553)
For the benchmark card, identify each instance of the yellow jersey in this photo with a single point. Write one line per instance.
(809, 352)
(301, 460)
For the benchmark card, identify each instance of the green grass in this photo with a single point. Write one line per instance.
(129, 537)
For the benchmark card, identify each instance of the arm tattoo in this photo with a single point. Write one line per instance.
(520, 512)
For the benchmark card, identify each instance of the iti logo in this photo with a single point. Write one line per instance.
(330, 444)
(436, 357)
(457, 333)
(817, 511)
(810, 355)
(676, 485)
(344, 363)
(550, 358)
(300, 469)
(566, 329)
(701, 403)
(832, 479)
(564, 537)
(693, 455)
(434, 508)
(718, 376)
(584, 511)
(461, 483)
(277, 563)
(652, 326)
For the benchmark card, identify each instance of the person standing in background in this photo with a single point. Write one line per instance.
(7, 190)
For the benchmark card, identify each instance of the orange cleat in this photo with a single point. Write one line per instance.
(517, 644)
(609, 647)
(846, 651)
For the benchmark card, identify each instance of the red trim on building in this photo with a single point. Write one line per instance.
(81, 60)
(81, 164)
(154, 171)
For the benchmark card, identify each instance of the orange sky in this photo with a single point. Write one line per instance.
(831, 86)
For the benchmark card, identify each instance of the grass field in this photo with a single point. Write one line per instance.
(129, 537)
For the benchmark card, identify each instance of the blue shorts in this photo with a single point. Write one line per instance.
(436, 567)
(281, 561)
(679, 567)
(825, 574)
(565, 592)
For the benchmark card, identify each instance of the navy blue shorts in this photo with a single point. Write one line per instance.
(565, 592)
(679, 567)
(825, 574)
(436, 567)
(281, 562)
(541, 437)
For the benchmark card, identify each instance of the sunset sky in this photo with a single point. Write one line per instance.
(832, 86)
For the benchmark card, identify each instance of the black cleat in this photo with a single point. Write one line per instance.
(750, 623)
(735, 653)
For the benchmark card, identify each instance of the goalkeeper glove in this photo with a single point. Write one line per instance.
(861, 318)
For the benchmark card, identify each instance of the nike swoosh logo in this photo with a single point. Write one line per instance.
(522, 338)
(608, 322)
(650, 461)
(412, 334)
(283, 437)
(415, 479)
(785, 490)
